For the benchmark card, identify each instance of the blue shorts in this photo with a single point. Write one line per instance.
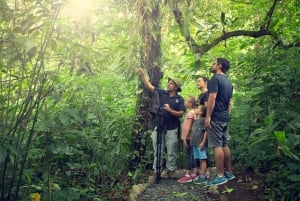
(199, 153)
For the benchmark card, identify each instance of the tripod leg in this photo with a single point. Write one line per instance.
(158, 155)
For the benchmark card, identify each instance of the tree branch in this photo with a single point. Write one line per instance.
(184, 31)
(291, 45)
(202, 49)
(254, 34)
(268, 17)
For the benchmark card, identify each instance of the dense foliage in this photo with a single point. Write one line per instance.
(68, 114)
(267, 119)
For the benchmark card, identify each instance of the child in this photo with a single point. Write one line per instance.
(190, 176)
(199, 142)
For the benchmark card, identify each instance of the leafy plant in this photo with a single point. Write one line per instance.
(270, 114)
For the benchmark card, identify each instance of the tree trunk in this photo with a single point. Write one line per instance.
(150, 52)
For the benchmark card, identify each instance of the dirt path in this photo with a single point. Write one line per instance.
(171, 190)
(241, 188)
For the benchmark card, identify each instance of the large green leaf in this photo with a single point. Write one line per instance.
(280, 136)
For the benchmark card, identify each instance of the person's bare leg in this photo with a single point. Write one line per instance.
(198, 168)
(203, 167)
(219, 160)
(227, 159)
(188, 172)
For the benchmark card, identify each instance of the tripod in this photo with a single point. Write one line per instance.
(160, 130)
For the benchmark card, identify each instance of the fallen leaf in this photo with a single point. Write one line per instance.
(254, 187)
(248, 178)
(176, 194)
(240, 181)
(227, 190)
(212, 189)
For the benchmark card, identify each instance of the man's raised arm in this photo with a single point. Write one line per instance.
(145, 80)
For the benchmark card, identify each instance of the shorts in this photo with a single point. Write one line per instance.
(199, 153)
(218, 134)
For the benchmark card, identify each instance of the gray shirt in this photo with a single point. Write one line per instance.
(197, 133)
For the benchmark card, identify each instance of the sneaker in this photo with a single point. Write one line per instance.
(201, 180)
(207, 173)
(216, 181)
(229, 175)
(185, 179)
(194, 177)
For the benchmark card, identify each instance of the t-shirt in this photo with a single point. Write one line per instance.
(176, 103)
(203, 97)
(220, 84)
(197, 132)
(185, 129)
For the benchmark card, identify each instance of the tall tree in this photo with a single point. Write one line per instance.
(150, 53)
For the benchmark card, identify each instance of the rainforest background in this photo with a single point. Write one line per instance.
(74, 116)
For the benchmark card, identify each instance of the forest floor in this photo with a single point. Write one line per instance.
(247, 186)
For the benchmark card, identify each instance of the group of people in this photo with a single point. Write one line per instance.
(205, 124)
